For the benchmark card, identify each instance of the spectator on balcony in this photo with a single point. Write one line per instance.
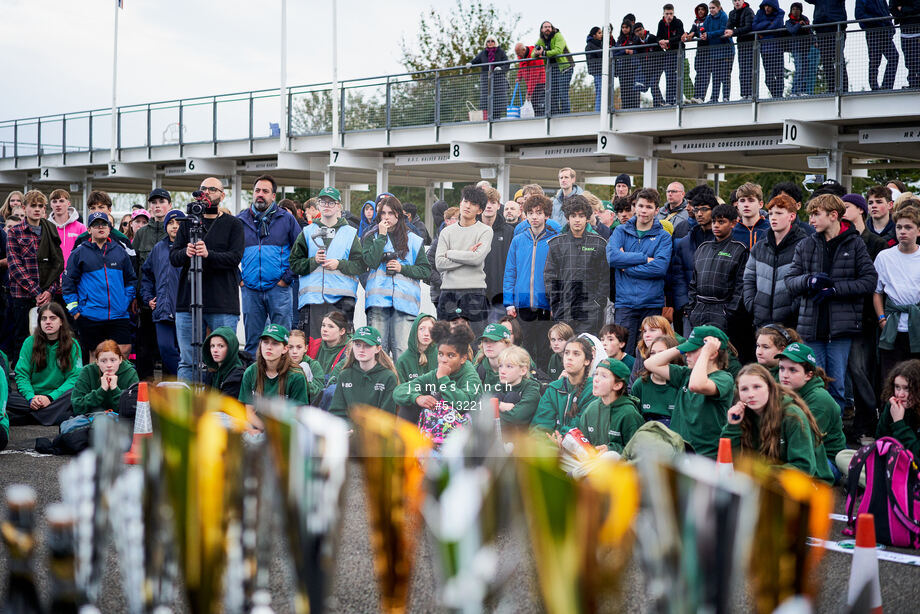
(740, 22)
(769, 19)
(594, 54)
(492, 77)
(720, 51)
(532, 72)
(648, 65)
(700, 59)
(801, 45)
(670, 31)
(831, 12)
(553, 47)
(624, 63)
(879, 41)
(907, 15)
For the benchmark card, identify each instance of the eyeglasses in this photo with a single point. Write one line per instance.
(674, 191)
(210, 188)
(702, 209)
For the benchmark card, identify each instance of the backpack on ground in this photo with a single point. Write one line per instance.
(892, 493)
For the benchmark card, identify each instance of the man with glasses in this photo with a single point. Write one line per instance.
(674, 210)
(270, 232)
(221, 251)
(328, 257)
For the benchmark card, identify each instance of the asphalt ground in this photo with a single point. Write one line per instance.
(354, 589)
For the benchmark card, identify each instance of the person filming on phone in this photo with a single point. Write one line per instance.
(328, 257)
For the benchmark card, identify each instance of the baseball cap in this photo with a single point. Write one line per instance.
(830, 186)
(698, 334)
(173, 214)
(138, 212)
(858, 200)
(617, 367)
(95, 216)
(800, 353)
(495, 332)
(159, 193)
(607, 205)
(367, 334)
(519, 193)
(276, 332)
(330, 192)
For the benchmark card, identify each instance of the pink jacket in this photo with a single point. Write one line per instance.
(69, 232)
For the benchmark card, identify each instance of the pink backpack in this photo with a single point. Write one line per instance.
(892, 492)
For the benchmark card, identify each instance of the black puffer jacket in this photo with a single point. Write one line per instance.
(577, 279)
(846, 260)
(502, 234)
(716, 289)
(766, 295)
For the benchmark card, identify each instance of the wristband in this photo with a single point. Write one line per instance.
(881, 317)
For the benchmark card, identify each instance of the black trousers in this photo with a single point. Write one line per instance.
(535, 325)
(146, 348)
(18, 325)
(19, 412)
(889, 358)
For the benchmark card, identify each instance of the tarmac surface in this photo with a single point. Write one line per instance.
(354, 589)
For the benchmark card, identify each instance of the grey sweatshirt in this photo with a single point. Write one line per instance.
(460, 268)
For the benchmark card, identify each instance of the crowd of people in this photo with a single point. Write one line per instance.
(712, 318)
(641, 56)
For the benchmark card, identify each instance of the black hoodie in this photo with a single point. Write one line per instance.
(223, 237)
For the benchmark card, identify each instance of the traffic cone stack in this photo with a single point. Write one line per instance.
(143, 426)
(724, 464)
(864, 570)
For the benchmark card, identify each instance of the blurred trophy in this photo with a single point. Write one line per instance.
(581, 531)
(392, 451)
(310, 451)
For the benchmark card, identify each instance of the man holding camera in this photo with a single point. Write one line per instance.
(221, 250)
(328, 257)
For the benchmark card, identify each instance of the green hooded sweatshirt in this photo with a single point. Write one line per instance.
(407, 366)
(295, 386)
(50, 381)
(354, 385)
(554, 368)
(460, 389)
(827, 414)
(525, 396)
(798, 448)
(326, 356)
(88, 395)
(906, 431)
(317, 379)
(654, 399)
(226, 376)
(611, 425)
(554, 403)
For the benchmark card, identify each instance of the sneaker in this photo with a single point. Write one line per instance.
(696, 101)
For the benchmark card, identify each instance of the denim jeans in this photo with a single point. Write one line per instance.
(394, 327)
(800, 57)
(832, 356)
(211, 321)
(169, 346)
(598, 86)
(560, 93)
(631, 318)
(261, 307)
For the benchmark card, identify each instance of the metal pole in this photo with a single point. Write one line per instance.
(605, 70)
(114, 81)
(335, 73)
(282, 97)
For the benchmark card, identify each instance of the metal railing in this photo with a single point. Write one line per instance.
(838, 59)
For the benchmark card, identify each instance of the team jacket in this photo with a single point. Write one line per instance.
(99, 284)
(577, 276)
(266, 254)
(717, 287)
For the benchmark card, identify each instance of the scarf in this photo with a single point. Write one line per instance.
(490, 51)
(263, 219)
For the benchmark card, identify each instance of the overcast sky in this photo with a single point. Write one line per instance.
(57, 54)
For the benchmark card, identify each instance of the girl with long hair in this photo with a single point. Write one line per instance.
(771, 340)
(312, 370)
(611, 421)
(656, 397)
(273, 374)
(48, 367)
(651, 328)
(13, 205)
(124, 226)
(398, 263)
(334, 339)
(101, 383)
(368, 375)
(774, 422)
(565, 399)
(421, 355)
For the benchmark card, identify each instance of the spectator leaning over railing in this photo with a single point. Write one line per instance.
(801, 45)
(828, 12)
(560, 73)
(594, 54)
(879, 41)
(532, 72)
(648, 64)
(670, 31)
(740, 22)
(771, 17)
(496, 73)
(624, 66)
(721, 53)
(907, 15)
(700, 58)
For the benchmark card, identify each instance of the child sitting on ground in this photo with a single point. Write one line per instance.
(494, 340)
(565, 398)
(421, 355)
(101, 383)
(771, 340)
(518, 394)
(656, 397)
(221, 355)
(273, 375)
(615, 337)
(368, 375)
(610, 422)
(312, 370)
(559, 334)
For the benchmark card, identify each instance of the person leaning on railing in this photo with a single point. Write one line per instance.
(491, 59)
(830, 12)
(907, 15)
(532, 72)
(801, 47)
(740, 21)
(879, 41)
(560, 73)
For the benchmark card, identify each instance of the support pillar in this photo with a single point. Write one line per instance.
(835, 164)
(503, 180)
(429, 202)
(87, 188)
(329, 177)
(650, 172)
(383, 179)
(346, 199)
(237, 182)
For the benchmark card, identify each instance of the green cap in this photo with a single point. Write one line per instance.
(800, 353)
(276, 332)
(495, 332)
(367, 334)
(617, 367)
(330, 192)
(607, 205)
(698, 334)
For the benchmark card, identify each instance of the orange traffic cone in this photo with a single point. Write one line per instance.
(864, 570)
(724, 464)
(143, 427)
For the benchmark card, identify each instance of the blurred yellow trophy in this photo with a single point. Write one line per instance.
(391, 451)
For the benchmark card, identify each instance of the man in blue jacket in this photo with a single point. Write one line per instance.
(640, 253)
(879, 41)
(830, 11)
(99, 285)
(159, 286)
(524, 293)
(269, 233)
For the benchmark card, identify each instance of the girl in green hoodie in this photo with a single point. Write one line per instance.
(770, 341)
(558, 335)
(312, 370)
(610, 422)
(454, 381)
(656, 397)
(421, 356)
(517, 392)
(221, 354)
(773, 421)
(101, 383)
(368, 375)
(334, 341)
(565, 399)
(48, 366)
(494, 340)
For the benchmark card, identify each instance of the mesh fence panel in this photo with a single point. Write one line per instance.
(413, 101)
